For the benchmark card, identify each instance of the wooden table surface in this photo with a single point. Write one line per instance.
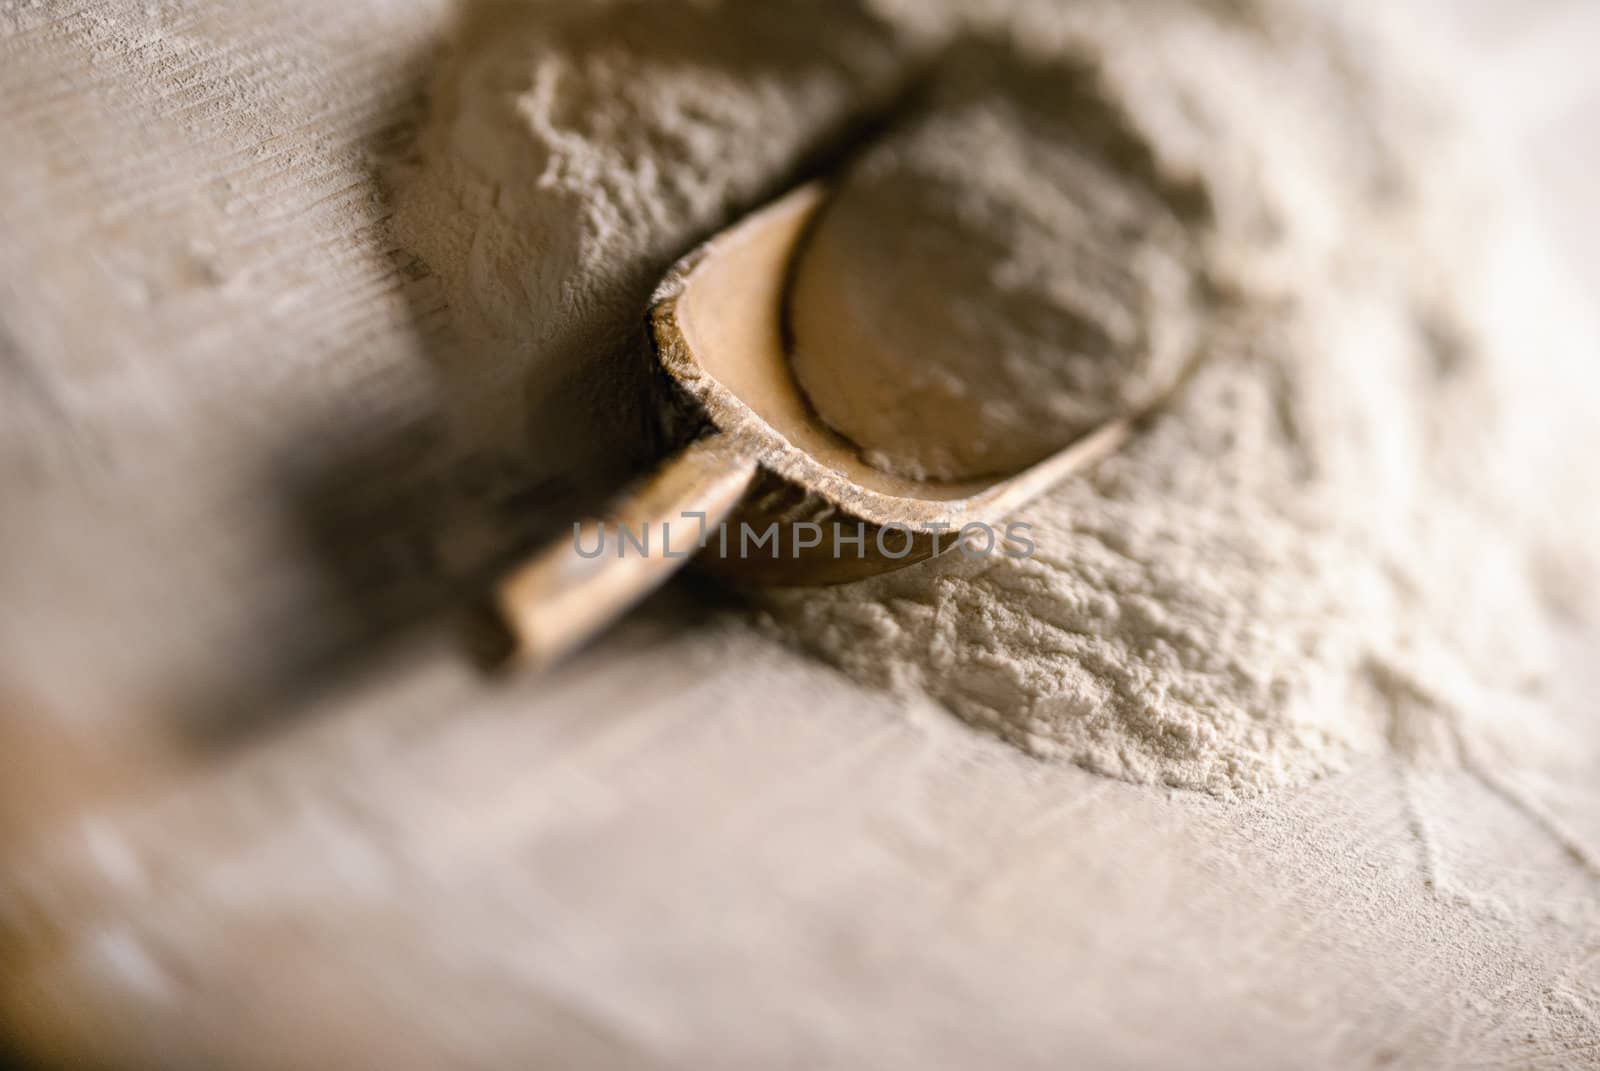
(259, 807)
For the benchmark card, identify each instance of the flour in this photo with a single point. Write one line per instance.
(993, 279)
(571, 153)
(1328, 543)
(1350, 533)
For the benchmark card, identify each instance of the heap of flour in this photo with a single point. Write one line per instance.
(1358, 528)
(1350, 531)
(995, 277)
(572, 152)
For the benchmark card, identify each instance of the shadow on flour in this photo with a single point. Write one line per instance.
(569, 154)
(402, 530)
(397, 524)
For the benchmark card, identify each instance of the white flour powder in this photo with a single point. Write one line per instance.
(994, 278)
(572, 152)
(1340, 538)
(1330, 542)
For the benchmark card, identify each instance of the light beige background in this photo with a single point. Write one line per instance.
(260, 810)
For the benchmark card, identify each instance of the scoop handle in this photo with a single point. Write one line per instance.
(568, 592)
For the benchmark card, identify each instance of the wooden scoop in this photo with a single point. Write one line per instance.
(764, 458)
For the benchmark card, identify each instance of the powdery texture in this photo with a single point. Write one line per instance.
(571, 153)
(587, 863)
(1351, 531)
(996, 277)
(1354, 531)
